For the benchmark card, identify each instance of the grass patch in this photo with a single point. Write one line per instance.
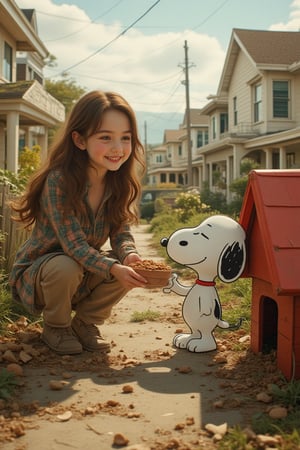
(142, 316)
(10, 310)
(235, 299)
(8, 383)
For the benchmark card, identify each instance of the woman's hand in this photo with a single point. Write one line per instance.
(126, 275)
(131, 258)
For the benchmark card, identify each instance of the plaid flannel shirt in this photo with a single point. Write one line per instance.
(56, 233)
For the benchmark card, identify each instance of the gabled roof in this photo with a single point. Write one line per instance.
(270, 47)
(272, 206)
(276, 49)
(196, 118)
(31, 17)
(172, 135)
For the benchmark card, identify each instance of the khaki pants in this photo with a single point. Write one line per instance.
(62, 286)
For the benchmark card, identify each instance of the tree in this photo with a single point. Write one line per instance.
(238, 186)
(66, 91)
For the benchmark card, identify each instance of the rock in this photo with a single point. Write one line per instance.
(25, 357)
(264, 440)
(9, 356)
(127, 389)
(120, 440)
(264, 397)
(219, 404)
(216, 429)
(56, 385)
(16, 369)
(65, 416)
(244, 338)
(185, 369)
(278, 412)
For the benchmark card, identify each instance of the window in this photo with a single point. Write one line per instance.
(202, 138)
(281, 99)
(235, 112)
(7, 62)
(205, 137)
(199, 139)
(257, 103)
(179, 150)
(159, 159)
(223, 122)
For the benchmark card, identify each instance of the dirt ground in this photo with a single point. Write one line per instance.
(144, 395)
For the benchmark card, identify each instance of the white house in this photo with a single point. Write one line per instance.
(27, 111)
(256, 110)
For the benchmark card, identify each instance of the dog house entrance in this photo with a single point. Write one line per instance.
(269, 324)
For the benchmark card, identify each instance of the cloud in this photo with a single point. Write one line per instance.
(293, 24)
(146, 69)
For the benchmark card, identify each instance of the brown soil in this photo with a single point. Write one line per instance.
(144, 395)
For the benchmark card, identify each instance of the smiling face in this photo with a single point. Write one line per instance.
(110, 146)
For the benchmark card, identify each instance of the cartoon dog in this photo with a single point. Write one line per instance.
(214, 248)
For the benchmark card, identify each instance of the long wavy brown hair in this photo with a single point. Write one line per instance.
(73, 163)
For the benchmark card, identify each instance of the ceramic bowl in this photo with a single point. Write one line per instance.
(157, 274)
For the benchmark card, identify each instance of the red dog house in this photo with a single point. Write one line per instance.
(270, 216)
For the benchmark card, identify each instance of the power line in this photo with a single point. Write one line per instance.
(112, 40)
(88, 24)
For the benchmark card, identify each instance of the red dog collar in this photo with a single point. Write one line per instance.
(205, 283)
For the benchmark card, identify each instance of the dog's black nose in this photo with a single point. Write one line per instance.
(183, 243)
(164, 242)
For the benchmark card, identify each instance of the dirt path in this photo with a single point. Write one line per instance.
(154, 396)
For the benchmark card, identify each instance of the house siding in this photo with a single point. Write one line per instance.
(239, 88)
(272, 143)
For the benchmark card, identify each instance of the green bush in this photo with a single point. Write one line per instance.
(147, 211)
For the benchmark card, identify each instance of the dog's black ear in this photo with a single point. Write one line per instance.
(232, 262)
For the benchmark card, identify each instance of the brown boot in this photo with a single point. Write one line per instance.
(89, 336)
(61, 340)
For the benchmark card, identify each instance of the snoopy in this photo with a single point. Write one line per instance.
(214, 248)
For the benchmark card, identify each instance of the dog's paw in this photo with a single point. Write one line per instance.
(167, 289)
(201, 345)
(181, 340)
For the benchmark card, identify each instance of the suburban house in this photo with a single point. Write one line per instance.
(254, 114)
(27, 110)
(168, 163)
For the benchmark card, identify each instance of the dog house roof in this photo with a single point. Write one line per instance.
(271, 207)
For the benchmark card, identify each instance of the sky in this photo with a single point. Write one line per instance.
(136, 47)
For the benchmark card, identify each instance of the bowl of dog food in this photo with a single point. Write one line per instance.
(156, 273)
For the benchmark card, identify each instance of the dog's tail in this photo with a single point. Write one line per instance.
(234, 326)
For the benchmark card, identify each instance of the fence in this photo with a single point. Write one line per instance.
(13, 233)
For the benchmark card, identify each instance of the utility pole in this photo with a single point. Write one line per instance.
(188, 114)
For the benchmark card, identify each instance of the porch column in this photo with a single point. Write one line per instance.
(268, 154)
(282, 158)
(237, 157)
(2, 147)
(12, 126)
(228, 177)
(210, 174)
(44, 145)
(204, 170)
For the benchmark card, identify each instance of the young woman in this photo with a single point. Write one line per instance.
(86, 193)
